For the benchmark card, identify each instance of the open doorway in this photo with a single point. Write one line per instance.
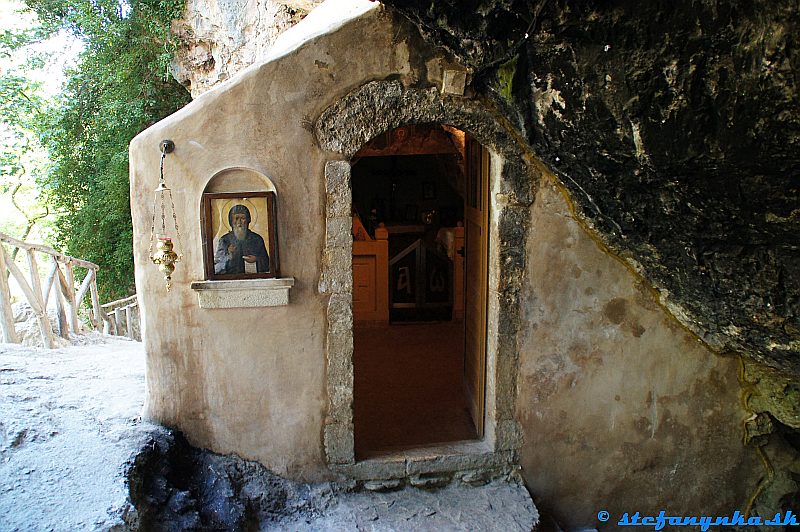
(420, 215)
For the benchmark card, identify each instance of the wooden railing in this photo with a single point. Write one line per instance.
(122, 318)
(61, 274)
(119, 318)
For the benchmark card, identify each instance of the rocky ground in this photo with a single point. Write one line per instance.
(176, 487)
(68, 432)
(74, 455)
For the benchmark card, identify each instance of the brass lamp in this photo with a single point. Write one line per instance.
(165, 257)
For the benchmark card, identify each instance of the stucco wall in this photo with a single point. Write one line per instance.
(250, 381)
(623, 410)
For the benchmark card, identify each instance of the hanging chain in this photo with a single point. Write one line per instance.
(152, 227)
(161, 185)
(177, 231)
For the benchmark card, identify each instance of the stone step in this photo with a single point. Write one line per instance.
(500, 505)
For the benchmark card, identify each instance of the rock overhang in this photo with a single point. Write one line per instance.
(675, 131)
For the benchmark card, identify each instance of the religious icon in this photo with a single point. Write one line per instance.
(429, 190)
(239, 235)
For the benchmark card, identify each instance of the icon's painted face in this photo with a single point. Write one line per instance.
(239, 220)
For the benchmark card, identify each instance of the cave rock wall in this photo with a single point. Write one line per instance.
(218, 38)
(676, 127)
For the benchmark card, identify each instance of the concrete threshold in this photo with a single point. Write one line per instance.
(470, 461)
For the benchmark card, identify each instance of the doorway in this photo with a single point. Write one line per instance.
(366, 113)
(419, 200)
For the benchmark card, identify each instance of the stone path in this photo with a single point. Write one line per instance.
(501, 506)
(70, 430)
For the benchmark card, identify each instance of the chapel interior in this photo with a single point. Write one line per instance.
(409, 370)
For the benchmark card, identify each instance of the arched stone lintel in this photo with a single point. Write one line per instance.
(342, 129)
(380, 106)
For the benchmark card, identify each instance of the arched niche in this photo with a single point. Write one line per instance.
(260, 288)
(239, 179)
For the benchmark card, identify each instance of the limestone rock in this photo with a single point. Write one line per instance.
(28, 326)
(220, 37)
(177, 487)
(22, 312)
(774, 392)
(675, 127)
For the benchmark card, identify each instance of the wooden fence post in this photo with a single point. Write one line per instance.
(36, 288)
(96, 308)
(41, 314)
(84, 286)
(6, 314)
(63, 328)
(61, 297)
(129, 321)
(73, 305)
(137, 322)
(118, 321)
(48, 284)
(36, 281)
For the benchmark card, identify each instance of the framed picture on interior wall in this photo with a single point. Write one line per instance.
(240, 235)
(428, 190)
(411, 213)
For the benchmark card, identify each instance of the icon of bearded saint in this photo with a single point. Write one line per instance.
(240, 250)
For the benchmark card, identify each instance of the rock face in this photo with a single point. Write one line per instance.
(676, 128)
(27, 326)
(220, 37)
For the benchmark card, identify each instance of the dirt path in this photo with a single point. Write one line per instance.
(68, 429)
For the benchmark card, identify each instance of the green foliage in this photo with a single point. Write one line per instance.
(19, 104)
(119, 87)
(22, 158)
(15, 39)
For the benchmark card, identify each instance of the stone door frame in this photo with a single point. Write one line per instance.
(341, 130)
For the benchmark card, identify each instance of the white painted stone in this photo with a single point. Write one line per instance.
(453, 82)
(244, 293)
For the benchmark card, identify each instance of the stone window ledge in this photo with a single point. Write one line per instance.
(243, 293)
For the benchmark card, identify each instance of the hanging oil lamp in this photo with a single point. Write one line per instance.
(165, 257)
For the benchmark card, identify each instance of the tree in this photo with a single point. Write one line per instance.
(22, 158)
(120, 86)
